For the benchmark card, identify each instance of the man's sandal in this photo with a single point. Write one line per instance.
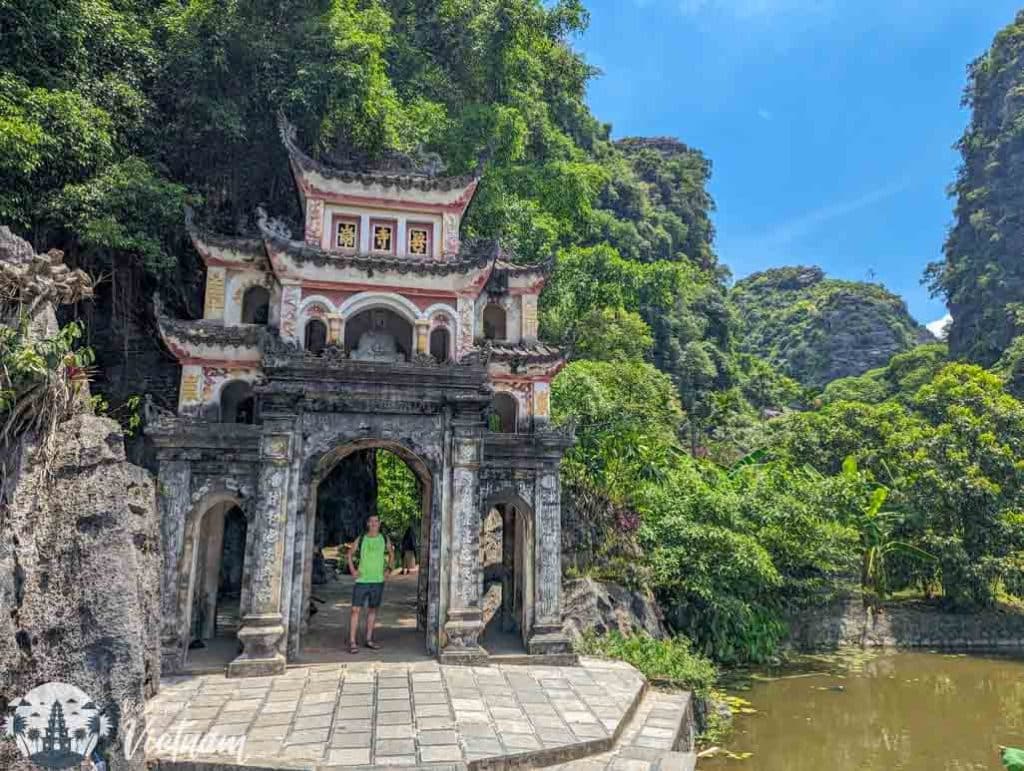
(353, 649)
(372, 645)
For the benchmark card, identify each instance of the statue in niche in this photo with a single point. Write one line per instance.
(376, 343)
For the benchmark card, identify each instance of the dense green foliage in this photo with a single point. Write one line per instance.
(398, 495)
(818, 329)
(693, 474)
(671, 660)
(982, 276)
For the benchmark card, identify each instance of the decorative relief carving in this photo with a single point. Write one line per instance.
(314, 221)
(214, 304)
(190, 387)
(529, 316)
(451, 234)
(541, 400)
(464, 334)
(290, 298)
(276, 446)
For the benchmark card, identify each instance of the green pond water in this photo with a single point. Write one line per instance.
(913, 711)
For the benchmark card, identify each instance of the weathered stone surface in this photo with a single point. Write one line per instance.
(912, 625)
(79, 574)
(597, 606)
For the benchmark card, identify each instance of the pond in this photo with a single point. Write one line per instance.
(900, 710)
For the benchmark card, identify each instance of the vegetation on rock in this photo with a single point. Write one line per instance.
(693, 474)
(818, 329)
(982, 277)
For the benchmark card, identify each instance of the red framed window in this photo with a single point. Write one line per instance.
(345, 233)
(419, 237)
(383, 234)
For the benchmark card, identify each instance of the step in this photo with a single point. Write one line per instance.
(658, 737)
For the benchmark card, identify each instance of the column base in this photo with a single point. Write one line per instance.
(551, 642)
(463, 630)
(260, 635)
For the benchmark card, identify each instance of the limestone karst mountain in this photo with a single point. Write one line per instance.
(818, 329)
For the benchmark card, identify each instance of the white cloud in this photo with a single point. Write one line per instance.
(786, 232)
(939, 326)
(764, 114)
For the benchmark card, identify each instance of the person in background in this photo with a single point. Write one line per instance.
(375, 554)
(409, 549)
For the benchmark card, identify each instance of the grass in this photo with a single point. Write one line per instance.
(671, 661)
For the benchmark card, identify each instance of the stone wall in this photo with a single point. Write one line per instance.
(911, 625)
(79, 574)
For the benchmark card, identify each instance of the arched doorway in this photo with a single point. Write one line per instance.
(315, 336)
(256, 305)
(216, 552)
(237, 403)
(504, 413)
(440, 342)
(494, 322)
(379, 334)
(507, 558)
(349, 484)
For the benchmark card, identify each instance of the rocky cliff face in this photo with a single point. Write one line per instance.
(818, 329)
(602, 607)
(79, 574)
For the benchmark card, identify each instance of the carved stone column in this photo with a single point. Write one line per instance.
(335, 330)
(262, 627)
(422, 336)
(547, 637)
(464, 622)
(174, 502)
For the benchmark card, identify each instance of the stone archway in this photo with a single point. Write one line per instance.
(320, 468)
(200, 567)
(516, 571)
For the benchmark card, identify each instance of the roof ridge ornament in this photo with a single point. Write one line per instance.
(423, 172)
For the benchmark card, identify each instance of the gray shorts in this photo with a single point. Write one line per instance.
(367, 594)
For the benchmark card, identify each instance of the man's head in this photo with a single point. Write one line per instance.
(373, 525)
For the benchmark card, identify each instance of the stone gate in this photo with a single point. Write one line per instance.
(380, 329)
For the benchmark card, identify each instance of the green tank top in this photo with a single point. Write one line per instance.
(371, 560)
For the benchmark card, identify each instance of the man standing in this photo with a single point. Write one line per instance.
(374, 550)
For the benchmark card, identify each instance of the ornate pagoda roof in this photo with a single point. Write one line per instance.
(474, 255)
(530, 353)
(218, 249)
(209, 340)
(398, 173)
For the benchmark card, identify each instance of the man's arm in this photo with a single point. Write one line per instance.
(391, 554)
(351, 554)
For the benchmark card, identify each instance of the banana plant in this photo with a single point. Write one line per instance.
(876, 528)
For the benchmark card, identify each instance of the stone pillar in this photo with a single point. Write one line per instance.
(423, 336)
(528, 318)
(464, 621)
(174, 502)
(547, 637)
(335, 330)
(291, 297)
(262, 627)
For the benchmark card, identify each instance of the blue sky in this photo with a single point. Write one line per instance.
(830, 123)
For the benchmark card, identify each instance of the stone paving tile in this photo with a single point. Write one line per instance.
(391, 761)
(372, 714)
(440, 753)
(349, 757)
(361, 739)
(434, 723)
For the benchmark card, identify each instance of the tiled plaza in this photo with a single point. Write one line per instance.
(394, 715)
